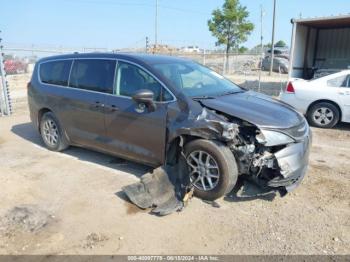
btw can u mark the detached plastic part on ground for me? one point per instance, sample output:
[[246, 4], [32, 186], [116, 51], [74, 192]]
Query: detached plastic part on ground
[[158, 191]]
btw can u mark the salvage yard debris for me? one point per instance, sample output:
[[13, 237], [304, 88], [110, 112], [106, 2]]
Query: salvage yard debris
[[157, 190]]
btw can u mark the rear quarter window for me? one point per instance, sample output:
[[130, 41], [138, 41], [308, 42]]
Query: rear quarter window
[[55, 72], [340, 81]]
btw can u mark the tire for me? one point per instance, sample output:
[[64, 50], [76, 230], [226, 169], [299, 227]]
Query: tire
[[51, 133], [323, 115], [226, 172]]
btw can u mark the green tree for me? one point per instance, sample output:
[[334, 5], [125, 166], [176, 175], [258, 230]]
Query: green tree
[[230, 25], [281, 43], [242, 49]]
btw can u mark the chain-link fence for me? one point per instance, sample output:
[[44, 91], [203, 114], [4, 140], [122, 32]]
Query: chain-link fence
[[19, 60], [5, 99]]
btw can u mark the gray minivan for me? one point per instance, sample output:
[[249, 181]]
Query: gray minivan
[[159, 110]]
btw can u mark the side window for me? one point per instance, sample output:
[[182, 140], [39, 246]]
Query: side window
[[348, 81], [340, 81], [55, 72], [131, 78], [93, 74]]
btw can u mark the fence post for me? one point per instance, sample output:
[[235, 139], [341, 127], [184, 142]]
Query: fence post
[[260, 65], [224, 65], [204, 57], [5, 96], [228, 66]]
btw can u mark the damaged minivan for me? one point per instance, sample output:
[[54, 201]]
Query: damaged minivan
[[162, 111]]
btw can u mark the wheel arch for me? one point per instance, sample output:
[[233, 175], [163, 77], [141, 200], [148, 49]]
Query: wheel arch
[[175, 146], [326, 101], [41, 112]]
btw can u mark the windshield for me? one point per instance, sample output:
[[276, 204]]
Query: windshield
[[196, 80]]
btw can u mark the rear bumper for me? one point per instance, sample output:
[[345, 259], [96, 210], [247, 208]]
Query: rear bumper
[[292, 100], [33, 111], [293, 162]]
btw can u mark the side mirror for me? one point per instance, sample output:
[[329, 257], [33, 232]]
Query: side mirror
[[145, 96]]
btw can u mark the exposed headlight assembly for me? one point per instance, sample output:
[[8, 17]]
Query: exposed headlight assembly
[[273, 138]]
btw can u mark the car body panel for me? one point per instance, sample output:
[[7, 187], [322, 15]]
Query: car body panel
[[278, 63], [293, 161], [308, 92], [82, 115], [257, 109], [136, 132]]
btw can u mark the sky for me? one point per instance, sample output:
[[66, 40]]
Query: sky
[[116, 24]]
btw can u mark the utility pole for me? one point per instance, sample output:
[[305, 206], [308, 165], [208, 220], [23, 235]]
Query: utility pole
[[156, 27], [147, 44], [273, 36], [261, 44], [261, 28]]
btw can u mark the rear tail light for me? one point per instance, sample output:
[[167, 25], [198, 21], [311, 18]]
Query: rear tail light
[[290, 88]]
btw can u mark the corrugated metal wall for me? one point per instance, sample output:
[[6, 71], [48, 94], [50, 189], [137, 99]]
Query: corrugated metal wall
[[333, 48]]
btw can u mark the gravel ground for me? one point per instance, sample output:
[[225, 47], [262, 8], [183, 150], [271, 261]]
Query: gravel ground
[[71, 203]]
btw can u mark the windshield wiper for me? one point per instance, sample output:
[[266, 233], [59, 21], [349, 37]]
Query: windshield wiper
[[231, 93], [202, 97]]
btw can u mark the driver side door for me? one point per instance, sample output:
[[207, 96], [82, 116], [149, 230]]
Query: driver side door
[[133, 130]]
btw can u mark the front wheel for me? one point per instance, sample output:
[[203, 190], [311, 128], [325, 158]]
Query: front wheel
[[212, 168], [324, 115]]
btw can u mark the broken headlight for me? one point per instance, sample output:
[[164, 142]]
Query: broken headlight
[[273, 138]]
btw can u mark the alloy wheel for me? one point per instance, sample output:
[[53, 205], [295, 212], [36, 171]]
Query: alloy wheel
[[50, 132], [323, 116], [204, 170]]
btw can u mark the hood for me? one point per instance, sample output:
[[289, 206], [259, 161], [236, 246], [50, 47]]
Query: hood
[[257, 109]]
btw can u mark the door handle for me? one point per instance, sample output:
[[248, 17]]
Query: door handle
[[99, 104], [113, 108], [344, 93]]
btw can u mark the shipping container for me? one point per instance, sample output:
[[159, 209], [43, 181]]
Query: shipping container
[[319, 46]]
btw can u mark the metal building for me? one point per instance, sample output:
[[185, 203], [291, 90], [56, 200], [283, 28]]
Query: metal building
[[319, 44]]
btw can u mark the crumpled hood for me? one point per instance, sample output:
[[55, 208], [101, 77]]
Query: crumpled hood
[[257, 109]]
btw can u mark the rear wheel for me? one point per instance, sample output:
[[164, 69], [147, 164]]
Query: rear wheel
[[324, 115], [51, 133], [212, 168]]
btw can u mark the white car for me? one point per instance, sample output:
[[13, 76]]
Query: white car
[[325, 101]]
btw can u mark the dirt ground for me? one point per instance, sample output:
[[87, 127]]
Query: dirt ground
[[71, 203]]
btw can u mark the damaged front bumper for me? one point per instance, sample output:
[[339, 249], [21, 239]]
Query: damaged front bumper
[[293, 162]]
